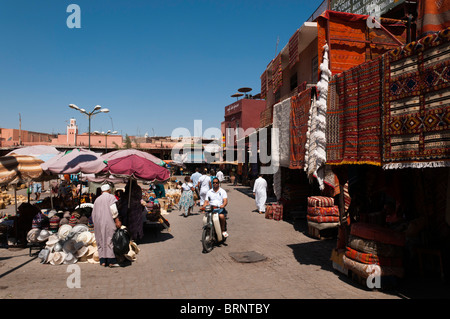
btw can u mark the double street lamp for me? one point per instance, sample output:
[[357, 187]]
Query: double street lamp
[[97, 109], [106, 137]]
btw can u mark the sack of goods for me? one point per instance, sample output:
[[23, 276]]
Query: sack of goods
[[274, 211], [373, 249], [321, 215]]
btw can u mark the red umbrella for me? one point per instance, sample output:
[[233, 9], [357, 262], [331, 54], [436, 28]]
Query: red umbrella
[[137, 167]]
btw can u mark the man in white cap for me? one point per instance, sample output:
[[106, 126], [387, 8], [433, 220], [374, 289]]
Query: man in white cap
[[105, 217]]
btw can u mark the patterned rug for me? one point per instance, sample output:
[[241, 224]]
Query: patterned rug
[[277, 73], [300, 105], [416, 113], [293, 49], [354, 116], [432, 16]]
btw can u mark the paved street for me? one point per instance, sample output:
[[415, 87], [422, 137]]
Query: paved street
[[171, 265]]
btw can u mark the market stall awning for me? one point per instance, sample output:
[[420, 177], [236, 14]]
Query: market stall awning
[[74, 162], [42, 152], [20, 169], [134, 166], [131, 151]]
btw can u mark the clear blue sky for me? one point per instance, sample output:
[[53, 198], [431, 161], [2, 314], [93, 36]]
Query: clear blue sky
[[157, 65]]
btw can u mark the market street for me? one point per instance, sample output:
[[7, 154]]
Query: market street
[[171, 264]]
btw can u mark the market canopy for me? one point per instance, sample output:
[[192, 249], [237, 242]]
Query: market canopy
[[136, 167], [42, 152], [131, 151], [20, 169], [74, 162]]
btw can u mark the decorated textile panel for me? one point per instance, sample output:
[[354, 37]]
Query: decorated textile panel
[[264, 85], [277, 72], [298, 126], [353, 131], [416, 113], [293, 49], [432, 16]]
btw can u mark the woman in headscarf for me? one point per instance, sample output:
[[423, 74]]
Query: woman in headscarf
[[187, 196], [131, 214]]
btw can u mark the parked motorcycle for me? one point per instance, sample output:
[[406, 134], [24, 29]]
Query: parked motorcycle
[[212, 232]]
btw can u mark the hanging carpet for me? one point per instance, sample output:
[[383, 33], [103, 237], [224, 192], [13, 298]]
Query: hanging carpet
[[416, 108], [298, 127], [354, 116]]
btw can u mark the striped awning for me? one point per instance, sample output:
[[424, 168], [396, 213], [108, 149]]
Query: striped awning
[[20, 168]]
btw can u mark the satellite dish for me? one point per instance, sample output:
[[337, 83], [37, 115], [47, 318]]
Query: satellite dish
[[237, 95], [244, 90]]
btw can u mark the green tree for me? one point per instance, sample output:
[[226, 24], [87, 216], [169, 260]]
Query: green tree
[[127, 141]]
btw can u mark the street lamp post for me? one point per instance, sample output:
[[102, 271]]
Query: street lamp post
[[97, 109], [106, 137]]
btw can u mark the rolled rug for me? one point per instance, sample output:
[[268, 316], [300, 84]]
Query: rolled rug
[[374, 247], [323, 211], [322, 219], [366, 258]]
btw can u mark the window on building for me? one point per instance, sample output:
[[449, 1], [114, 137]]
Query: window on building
[[293, 81], [277, 96]]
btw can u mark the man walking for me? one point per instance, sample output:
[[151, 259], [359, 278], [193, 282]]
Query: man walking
[[204, 185], [194, 180], [260, 192], [105, 217]]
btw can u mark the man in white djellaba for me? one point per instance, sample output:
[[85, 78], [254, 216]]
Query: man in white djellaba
[[260, 192]]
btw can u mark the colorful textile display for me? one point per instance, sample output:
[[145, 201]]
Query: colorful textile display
[[321, 214], [265, 117], [281, 115], [320, 201], [264, 85], [322, 219], [323, 211], [432, 17], [368, 258], [300, 105], [315, 154], [416, 113], [277, 73], [274, 211], [354, 116], [293, 49], [374, 247], [350, 36]]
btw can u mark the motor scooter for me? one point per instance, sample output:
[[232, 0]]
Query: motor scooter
[[212, 232]]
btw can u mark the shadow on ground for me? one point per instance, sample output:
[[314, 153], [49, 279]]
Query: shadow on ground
[[413, 286], [154, 234]]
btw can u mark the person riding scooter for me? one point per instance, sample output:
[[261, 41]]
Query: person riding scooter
[[217, 198]]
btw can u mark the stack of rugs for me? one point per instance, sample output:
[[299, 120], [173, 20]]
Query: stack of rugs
[[274, 211], [321, 214], [370, 245]]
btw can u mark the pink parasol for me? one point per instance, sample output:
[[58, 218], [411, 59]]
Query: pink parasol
[[77, 161], [122, 153], [137, 167]]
